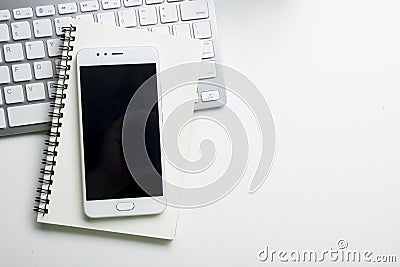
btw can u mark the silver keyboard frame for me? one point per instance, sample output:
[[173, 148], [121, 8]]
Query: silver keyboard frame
[[12, 4]]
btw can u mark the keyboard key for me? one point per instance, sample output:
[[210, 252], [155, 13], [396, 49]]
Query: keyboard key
[[88, 6], [13, 52], [35, 91], [42, 28], [35, 50], [1, 99], [127, 18], [161, 29], [150, 2], [171, 1], [21, 30], [4, 33], [194, 10], [14, 94], [202, 30], [51, 89], [208, 70], [53, 47], [60, 23], [5, 15], [2, 118], [210, 96], [28, 114], [107, 18], [129, 3], [22, 72], [208, 49], [43, 11], [56, 63], [87, 17], [182, 30], [148, 16], [43, 70], [168, 13], [111, 4], [67, 8], [23, 13], [4, 75]]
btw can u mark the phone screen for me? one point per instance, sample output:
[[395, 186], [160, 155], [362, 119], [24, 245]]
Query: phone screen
[[106, 92]]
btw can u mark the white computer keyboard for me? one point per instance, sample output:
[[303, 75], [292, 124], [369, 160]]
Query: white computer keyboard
[[29, 40]]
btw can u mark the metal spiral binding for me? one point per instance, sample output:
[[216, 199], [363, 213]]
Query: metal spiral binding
[[43, 201], [57, 105], [51, 143], [62, 76], [45, 181], [56, 115], [48, 162]]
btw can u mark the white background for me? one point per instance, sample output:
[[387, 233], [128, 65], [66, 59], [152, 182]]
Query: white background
[[330, 71]]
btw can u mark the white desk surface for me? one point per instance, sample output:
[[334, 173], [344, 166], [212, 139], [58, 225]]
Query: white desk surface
[[330, 72]]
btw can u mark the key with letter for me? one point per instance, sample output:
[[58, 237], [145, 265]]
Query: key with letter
[[43, 70], [51, 89], [53, 47], [35, 91], [22, 72], [13, 94], [13, 52], [34, 50]]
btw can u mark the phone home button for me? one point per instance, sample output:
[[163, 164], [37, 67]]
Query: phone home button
[[125, 206]]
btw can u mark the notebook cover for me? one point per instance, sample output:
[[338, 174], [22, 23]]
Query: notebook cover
[[66, 203]]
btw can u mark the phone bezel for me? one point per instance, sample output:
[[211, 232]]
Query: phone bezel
[[119, 56]]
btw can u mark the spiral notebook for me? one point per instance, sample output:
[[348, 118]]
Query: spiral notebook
[[60, 201]]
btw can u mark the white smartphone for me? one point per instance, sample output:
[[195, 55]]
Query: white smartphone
[[108, 78]]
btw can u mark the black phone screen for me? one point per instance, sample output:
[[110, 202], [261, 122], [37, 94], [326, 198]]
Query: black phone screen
[[106, 92]]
